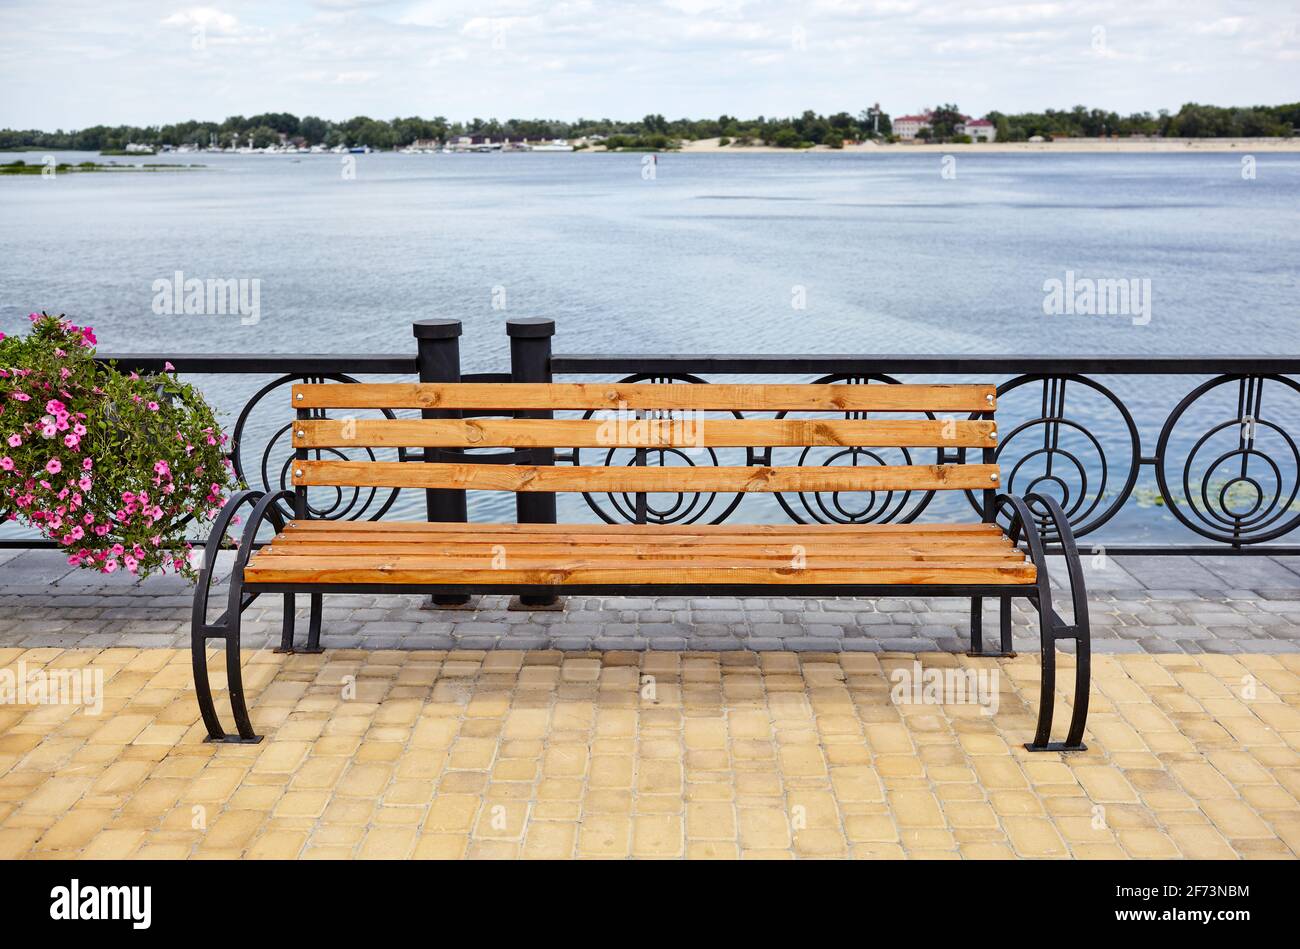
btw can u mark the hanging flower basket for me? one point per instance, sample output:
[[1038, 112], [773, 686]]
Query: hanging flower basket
[[112, 466]]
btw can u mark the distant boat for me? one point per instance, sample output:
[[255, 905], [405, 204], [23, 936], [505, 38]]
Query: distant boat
[[360, 150]]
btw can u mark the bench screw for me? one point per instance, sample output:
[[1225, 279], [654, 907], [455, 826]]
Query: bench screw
[[988, 398], [993, 477], [993, 435], [297, 472], [301, 433], [298, 396]]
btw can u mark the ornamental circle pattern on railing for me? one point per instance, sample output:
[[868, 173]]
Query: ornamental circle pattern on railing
[[852, 507], [659, 507], [272, 465], [1052, 453], [1231, 486]]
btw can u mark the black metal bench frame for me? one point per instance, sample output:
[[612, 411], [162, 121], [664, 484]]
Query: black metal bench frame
[[1025, 516]]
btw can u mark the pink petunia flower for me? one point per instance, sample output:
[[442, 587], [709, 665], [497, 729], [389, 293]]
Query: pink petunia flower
[[54, 466]]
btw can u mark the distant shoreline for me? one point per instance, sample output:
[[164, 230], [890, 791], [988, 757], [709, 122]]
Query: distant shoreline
[[1070, 145]]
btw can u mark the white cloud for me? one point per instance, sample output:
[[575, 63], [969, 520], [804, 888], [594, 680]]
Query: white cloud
[[209, 18], [564, 58]]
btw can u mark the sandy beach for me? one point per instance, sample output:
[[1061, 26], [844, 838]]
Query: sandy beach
[[1062, 145]]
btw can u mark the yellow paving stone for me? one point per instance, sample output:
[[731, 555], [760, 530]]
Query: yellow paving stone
[[452, 813], [609, 771], [712, 850], [1105, 784], [113, 845], [232, 829], [1033, 837], [74, 830], [364, 780], [1201, 843], [657, 836], [764, 828], [440, 847], [605, 836], [918, 808], [301, 804], [1235, 819]]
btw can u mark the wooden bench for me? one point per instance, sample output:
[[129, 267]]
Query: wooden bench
[[976, 560]]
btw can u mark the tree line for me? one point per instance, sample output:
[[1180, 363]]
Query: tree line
[[810, 128]]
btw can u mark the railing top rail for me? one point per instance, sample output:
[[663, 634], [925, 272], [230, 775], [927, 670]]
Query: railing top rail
[[395, 364], [933, 364], [737, 364]]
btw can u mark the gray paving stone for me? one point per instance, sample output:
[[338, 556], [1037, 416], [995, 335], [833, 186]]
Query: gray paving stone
[[1185, 605]]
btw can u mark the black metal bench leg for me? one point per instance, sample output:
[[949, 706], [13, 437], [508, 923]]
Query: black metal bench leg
[[1082, 685], [1004, 618], [977, 629], [235, 686], [313, 624], [1047, 687], [202, 686], [286, 630], [1052, 628]]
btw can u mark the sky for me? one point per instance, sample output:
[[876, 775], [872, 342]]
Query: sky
[[76, 63]]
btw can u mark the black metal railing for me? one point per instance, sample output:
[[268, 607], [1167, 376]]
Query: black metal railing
[[1211, 440], [1213, 433]]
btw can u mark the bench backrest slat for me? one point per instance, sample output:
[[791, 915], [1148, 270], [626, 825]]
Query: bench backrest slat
[[522, 396], [479, 477], [636, 433]]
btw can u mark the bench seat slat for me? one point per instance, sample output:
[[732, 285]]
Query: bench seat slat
[[611, 395], [338, 570], [595, 433], [598, 532], [396, 474], [533, 554], [552, 544], [537, 555]]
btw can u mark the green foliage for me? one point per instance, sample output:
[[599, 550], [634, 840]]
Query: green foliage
[[1191, 120], [944, 121], [110, 465], [787, 138], [640, 143]]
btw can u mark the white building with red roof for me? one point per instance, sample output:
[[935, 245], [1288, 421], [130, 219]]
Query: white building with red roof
[[981, 130], [907, 127]]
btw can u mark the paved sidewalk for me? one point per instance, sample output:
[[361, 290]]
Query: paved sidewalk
[[407, 753], [1138, 604], [657, 727]]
